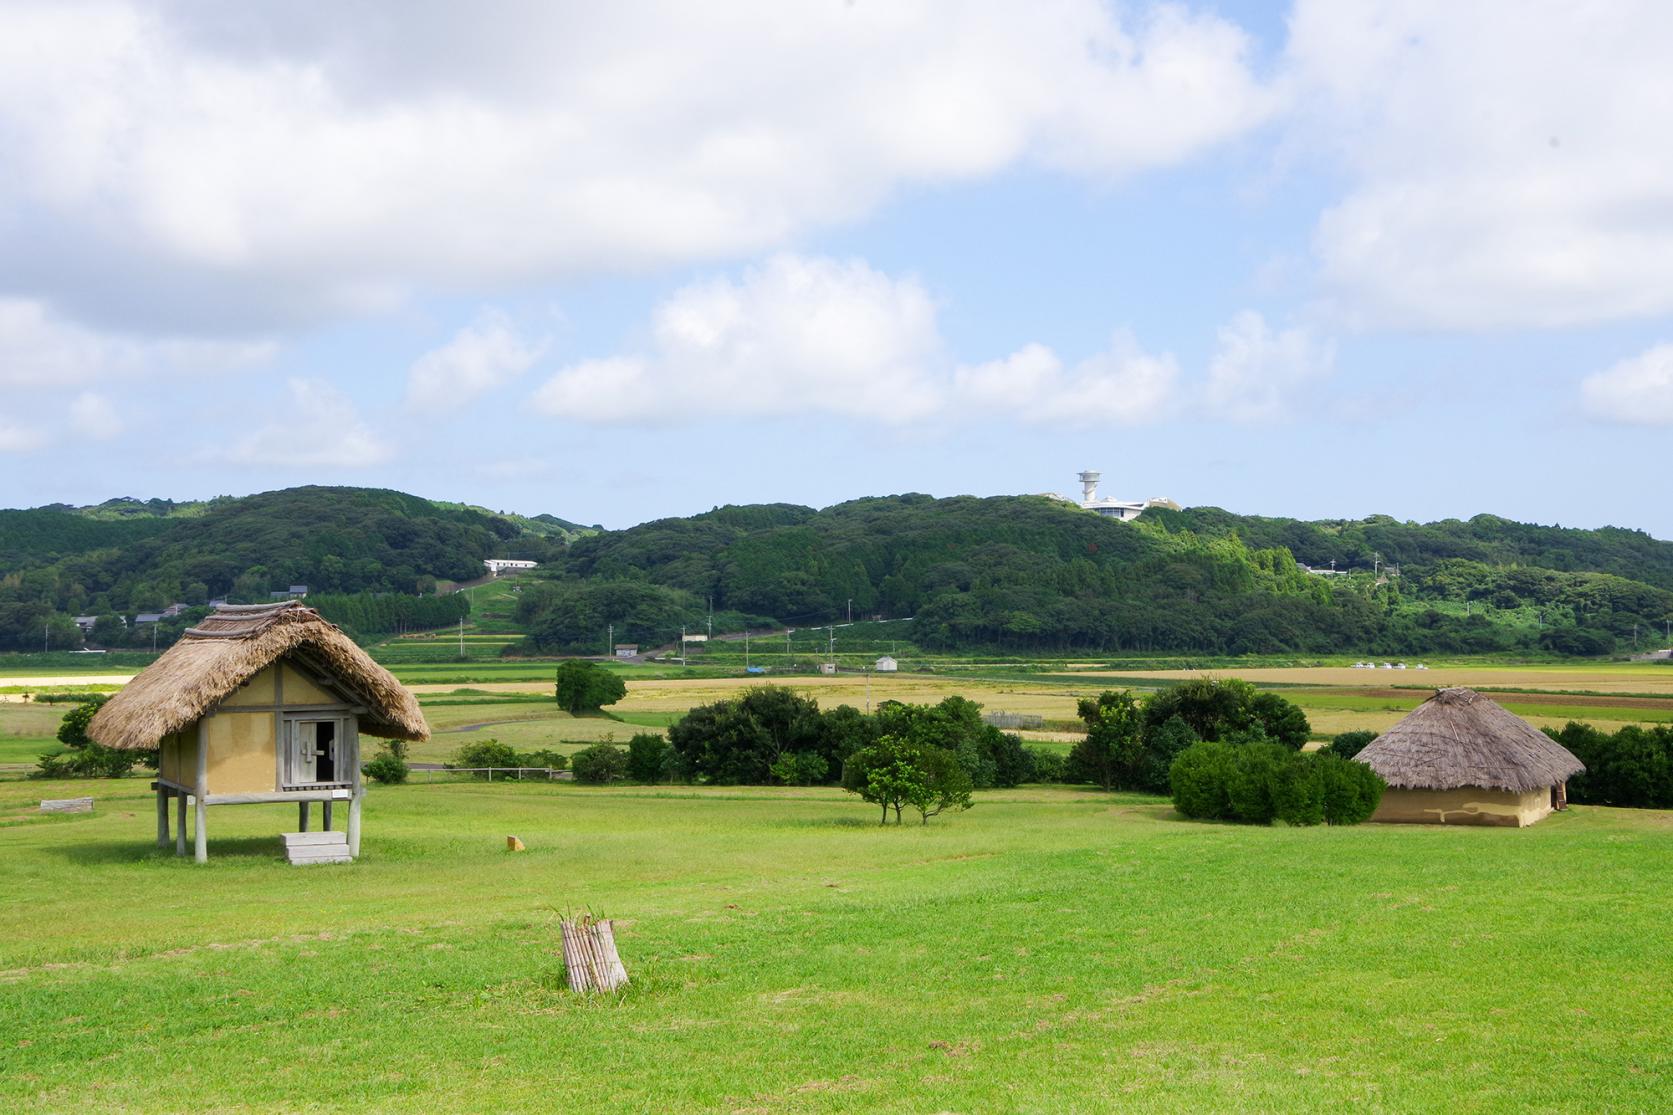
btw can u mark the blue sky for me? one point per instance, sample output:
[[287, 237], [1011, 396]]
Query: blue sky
[[1324, 260]]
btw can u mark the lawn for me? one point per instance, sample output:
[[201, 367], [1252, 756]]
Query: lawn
[[1050, 950]]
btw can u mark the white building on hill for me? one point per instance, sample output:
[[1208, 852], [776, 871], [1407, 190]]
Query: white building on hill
[[1115, 508], [496, 566]]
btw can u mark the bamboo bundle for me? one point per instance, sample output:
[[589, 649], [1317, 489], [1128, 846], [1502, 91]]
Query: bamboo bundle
[[589, 955]]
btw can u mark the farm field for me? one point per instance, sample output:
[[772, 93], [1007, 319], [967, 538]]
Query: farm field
[[466, 701], [1051, 949]]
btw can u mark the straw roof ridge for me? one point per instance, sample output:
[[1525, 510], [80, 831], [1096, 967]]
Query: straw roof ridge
[[232, 645], [1459, 738]]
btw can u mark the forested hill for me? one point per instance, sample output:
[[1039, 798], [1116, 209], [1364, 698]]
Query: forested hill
[[1033, 573], [1025, 573], [128, 556]]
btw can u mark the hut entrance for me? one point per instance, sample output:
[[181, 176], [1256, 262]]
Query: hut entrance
[[315, 753]]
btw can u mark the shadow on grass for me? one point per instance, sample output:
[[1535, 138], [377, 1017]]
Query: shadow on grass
[[246, 848]]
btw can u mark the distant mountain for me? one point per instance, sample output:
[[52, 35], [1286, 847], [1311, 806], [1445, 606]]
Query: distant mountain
[[1038, 574], [126, 556], [1021, 573]]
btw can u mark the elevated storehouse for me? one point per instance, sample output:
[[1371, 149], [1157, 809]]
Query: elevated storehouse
[[1460, 758], [259, 703]]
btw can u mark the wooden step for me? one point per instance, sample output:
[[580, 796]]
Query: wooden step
[[305, 848], [309, 839]]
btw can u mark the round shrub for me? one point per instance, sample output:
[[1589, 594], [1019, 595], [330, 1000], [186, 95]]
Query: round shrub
[[386, 767], [599, 764], [485, 753], [1349, 744], [1199, 778], [1351, 790], [1044, 765], [1251, 788], [1298, 790]]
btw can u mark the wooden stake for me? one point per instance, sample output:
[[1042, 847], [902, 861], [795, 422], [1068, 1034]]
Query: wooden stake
[[589, 956]]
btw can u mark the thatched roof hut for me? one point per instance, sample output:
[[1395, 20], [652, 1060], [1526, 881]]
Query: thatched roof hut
[[231, 646], [261, 703], [1460, 757]]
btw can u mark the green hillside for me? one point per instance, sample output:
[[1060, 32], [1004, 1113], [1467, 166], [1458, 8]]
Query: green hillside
[[1009, 575], [1033, 574]]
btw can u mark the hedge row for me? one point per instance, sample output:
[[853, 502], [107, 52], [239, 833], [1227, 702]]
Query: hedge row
[[1258, 783]]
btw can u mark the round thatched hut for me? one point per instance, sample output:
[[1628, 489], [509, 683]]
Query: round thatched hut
[[261, 703], [1460, 758]]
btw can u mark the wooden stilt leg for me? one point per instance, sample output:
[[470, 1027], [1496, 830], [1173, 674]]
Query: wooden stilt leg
[[179, 823], [162, 816], [301, 816], [201, 833], [354, 825], [325, 825]]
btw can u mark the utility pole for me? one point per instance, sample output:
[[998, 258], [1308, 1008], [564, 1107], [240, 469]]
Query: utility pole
[[610, 645], [832, 631], [711, 617], [868, 692], [850, 609], [682, 644], [461, 637]]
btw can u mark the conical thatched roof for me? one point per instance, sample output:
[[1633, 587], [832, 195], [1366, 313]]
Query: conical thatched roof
[[234, 644], [1459, 738]]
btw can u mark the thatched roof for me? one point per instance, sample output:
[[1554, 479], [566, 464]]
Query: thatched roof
[[1459, 738], [230, 647]]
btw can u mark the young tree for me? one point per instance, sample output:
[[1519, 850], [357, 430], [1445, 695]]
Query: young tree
[[943, 784], [599, 764], [587, 687], [884, 773], [1112, 754]]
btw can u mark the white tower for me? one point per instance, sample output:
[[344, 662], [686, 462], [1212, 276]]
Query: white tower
[[1089, 486]]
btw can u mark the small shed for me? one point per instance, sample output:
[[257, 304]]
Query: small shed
[[259, 703], [887, 665], [627, 650], [1460, 758]]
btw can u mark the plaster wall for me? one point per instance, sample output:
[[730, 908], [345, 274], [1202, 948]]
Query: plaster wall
[[1467, 806], [243, 755]]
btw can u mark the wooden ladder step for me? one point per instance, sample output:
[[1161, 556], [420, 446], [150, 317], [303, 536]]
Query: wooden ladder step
[[310, 839]]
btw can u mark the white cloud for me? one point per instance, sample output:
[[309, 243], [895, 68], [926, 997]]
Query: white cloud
[[320, 428], [1257, 374], [262, 164], [487, 353], [1122, 386], [795, 335], [1638, 390], [41, 349], [813, 336], [1507, 160], [93, 415], [20, 439]]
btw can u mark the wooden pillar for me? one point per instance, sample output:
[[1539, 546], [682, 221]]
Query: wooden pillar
[[162, 815], [325, 824], [301, 816], [356, 793], [179, 823], [200, 832]]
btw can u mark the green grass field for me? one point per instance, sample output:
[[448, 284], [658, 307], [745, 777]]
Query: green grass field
[[1050, 950]]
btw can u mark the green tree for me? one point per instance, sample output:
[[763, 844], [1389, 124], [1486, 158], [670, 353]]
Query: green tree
[[650, 759], [1346, 745], [599, 764], [943, 784], [1112, 754], [587, 687], [72, 729]]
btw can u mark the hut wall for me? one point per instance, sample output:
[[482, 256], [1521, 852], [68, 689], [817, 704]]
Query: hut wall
[[301, 691], [258, 690], [243, 754], [178, 757], [1468, 806]]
